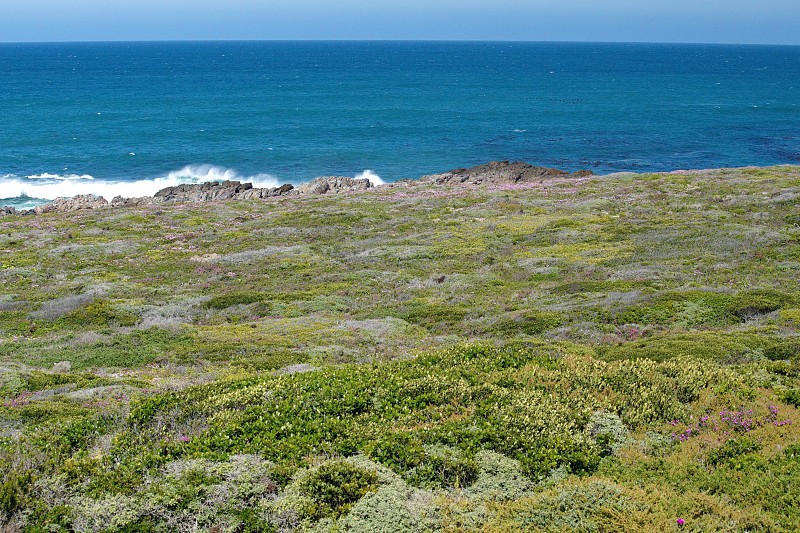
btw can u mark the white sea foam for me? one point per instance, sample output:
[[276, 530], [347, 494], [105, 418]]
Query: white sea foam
[[50, 186], [371, 176], [59, 177]]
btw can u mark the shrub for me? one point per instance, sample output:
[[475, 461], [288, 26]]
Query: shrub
[[608, 431], [399, 451], [528, 322], [681, 309], [751, 304], [573, 508], [692, 309], [443, 467], [499, 478], [792, 397], [733, 449], [719, 347], [431, 315], [100, 313], [384, 511], [229, 300], [334, 487]]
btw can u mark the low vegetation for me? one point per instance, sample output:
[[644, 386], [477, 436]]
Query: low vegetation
[[615, 353]]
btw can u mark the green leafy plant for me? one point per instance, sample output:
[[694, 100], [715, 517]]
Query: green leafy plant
[[334, 487]]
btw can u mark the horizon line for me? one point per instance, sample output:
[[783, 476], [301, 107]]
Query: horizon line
[[515, 41]]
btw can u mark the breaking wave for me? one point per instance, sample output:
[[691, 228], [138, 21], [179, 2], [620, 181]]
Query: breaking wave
[[30, 191], [38, 188]]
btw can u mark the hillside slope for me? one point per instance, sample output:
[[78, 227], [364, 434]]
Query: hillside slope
[[590, 353]]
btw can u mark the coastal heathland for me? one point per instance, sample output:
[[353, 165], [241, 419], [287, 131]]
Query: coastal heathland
[[583, 353]]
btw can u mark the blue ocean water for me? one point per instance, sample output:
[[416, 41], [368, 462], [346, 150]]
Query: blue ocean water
[[129, 118]]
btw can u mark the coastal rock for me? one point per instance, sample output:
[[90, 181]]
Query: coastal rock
[[283, 190], [119, 201], [76, 203], [335, 184], [202, 192], [497, 172], [500, 172]]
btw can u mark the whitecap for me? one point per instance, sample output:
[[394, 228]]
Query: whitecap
[[59, 177]]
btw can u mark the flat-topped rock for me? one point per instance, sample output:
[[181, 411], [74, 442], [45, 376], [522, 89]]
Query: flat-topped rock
[[334, 184], [76, 203], [267, 192], [499, 172], [201, 192]]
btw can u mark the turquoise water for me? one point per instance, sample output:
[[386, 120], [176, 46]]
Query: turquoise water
[[130, 118]]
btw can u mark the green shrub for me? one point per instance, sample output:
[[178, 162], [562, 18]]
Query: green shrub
[[694, 309], [783, 349], [11, 495], [792, 452], [99, 313], [79, 434], [792, 397], [334, 487], [384, 511], [689, 309], [732, 449], [229, 300], [431, 315], [719, 347], [443, 467], [751, 304], [528, 322], [399, 451]]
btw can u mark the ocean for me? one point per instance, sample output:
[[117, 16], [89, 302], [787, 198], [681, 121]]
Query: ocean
[[131, 118]]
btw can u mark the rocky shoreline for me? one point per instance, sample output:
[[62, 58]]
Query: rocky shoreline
[[494, 173]]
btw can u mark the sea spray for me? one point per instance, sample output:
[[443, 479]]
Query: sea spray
[[371, 176]]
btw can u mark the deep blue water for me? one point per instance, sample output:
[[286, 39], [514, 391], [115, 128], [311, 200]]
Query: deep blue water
[[275, 112]]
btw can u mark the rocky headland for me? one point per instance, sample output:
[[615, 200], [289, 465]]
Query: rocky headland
[[493, 173]]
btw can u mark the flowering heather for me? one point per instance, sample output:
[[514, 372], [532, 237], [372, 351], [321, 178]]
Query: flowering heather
[[23, 398], [727, 422]]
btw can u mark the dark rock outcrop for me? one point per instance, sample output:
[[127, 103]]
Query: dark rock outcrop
[[202, 192], [335, 184], [283, 190], [499, 172], [226, 190]]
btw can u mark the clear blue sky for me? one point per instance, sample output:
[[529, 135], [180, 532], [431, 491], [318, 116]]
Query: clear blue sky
[[725, 21]]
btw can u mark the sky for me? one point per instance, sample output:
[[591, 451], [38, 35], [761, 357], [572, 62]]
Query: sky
[[695, 21]]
